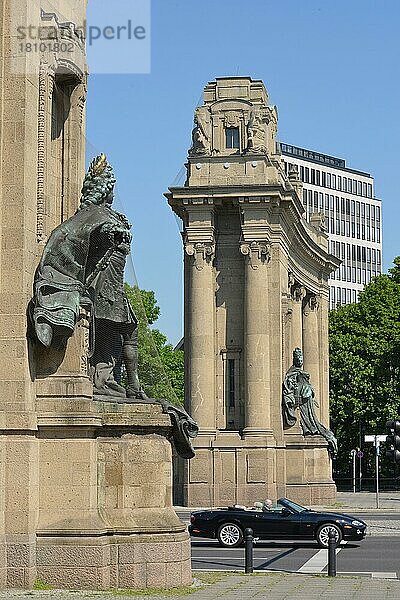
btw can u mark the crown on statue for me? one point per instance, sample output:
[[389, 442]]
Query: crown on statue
[[98, 165]]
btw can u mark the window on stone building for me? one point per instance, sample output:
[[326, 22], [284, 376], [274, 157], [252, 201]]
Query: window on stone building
[[232, 137], [231, 382], [232, 405]]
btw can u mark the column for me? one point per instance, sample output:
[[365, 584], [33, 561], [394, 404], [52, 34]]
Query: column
[[298, 293], [201, 334], [323, 400], [311, 350], [256, 338]]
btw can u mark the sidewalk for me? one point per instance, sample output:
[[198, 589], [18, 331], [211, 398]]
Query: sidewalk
[[270, 586], [367, 500], [389, 501]]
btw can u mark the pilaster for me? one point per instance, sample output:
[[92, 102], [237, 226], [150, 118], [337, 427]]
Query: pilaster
[[311, 346], [298, 295]]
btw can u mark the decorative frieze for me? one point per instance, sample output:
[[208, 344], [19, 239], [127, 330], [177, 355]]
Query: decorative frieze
[[46, 84]]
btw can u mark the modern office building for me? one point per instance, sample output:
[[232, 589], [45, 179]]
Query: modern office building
[[353, 217]]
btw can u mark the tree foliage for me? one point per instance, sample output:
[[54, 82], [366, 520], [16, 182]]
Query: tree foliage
[[364, 343], [160, 367]]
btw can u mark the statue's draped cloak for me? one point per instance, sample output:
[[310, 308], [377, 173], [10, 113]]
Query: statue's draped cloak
[[71, 259]]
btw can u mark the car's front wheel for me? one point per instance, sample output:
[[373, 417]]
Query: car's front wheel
[[323, 534], [230, 535]]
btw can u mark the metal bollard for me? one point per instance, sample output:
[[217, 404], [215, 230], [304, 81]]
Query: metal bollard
[[248, 550], [332, 554]]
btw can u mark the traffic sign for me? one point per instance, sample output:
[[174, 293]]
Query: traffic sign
[[375, 438]]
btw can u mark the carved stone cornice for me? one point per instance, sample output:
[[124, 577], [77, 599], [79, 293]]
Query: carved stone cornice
[[203, 253], [258, 252]]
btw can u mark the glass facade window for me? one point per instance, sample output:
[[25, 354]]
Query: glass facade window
[[364, 190]]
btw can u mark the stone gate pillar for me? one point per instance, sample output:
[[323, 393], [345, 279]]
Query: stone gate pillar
[[256, 343]]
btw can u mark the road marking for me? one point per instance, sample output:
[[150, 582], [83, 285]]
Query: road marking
[[383, 575], [234, 558], [318, 562]]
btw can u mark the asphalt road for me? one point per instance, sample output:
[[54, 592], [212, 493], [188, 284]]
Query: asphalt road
[[373, 557]]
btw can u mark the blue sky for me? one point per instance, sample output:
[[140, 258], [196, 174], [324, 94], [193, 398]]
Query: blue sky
[[331, 67]]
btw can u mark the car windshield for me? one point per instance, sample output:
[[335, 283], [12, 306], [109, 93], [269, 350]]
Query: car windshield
[[292, 505]]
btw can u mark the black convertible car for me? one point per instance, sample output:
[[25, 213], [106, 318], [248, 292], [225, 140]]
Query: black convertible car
[[286, 520]]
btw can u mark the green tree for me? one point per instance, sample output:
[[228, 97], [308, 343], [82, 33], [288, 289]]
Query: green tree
[[364, 341], [160, 368]]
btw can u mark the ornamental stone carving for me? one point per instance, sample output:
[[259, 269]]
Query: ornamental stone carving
[[291, 280], [201, 133], [203, 253], [259, 252], [293, 174], [256, 133], [318, 220], [298, 292], [312, 303]]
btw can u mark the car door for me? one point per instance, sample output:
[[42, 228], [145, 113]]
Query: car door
[[279, 523]]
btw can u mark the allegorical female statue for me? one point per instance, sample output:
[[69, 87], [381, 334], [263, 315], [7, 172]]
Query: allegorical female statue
[[298, 393]]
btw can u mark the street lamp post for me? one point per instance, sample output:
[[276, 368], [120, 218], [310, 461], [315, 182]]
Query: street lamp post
[[353, 456]]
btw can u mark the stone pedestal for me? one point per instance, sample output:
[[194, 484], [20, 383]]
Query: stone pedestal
[[87, 502], [105, 514]]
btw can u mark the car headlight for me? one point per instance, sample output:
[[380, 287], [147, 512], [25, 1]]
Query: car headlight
[[357, 524]]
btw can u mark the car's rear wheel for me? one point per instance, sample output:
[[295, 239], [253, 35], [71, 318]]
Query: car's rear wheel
[[230, 535], [323, 534]]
